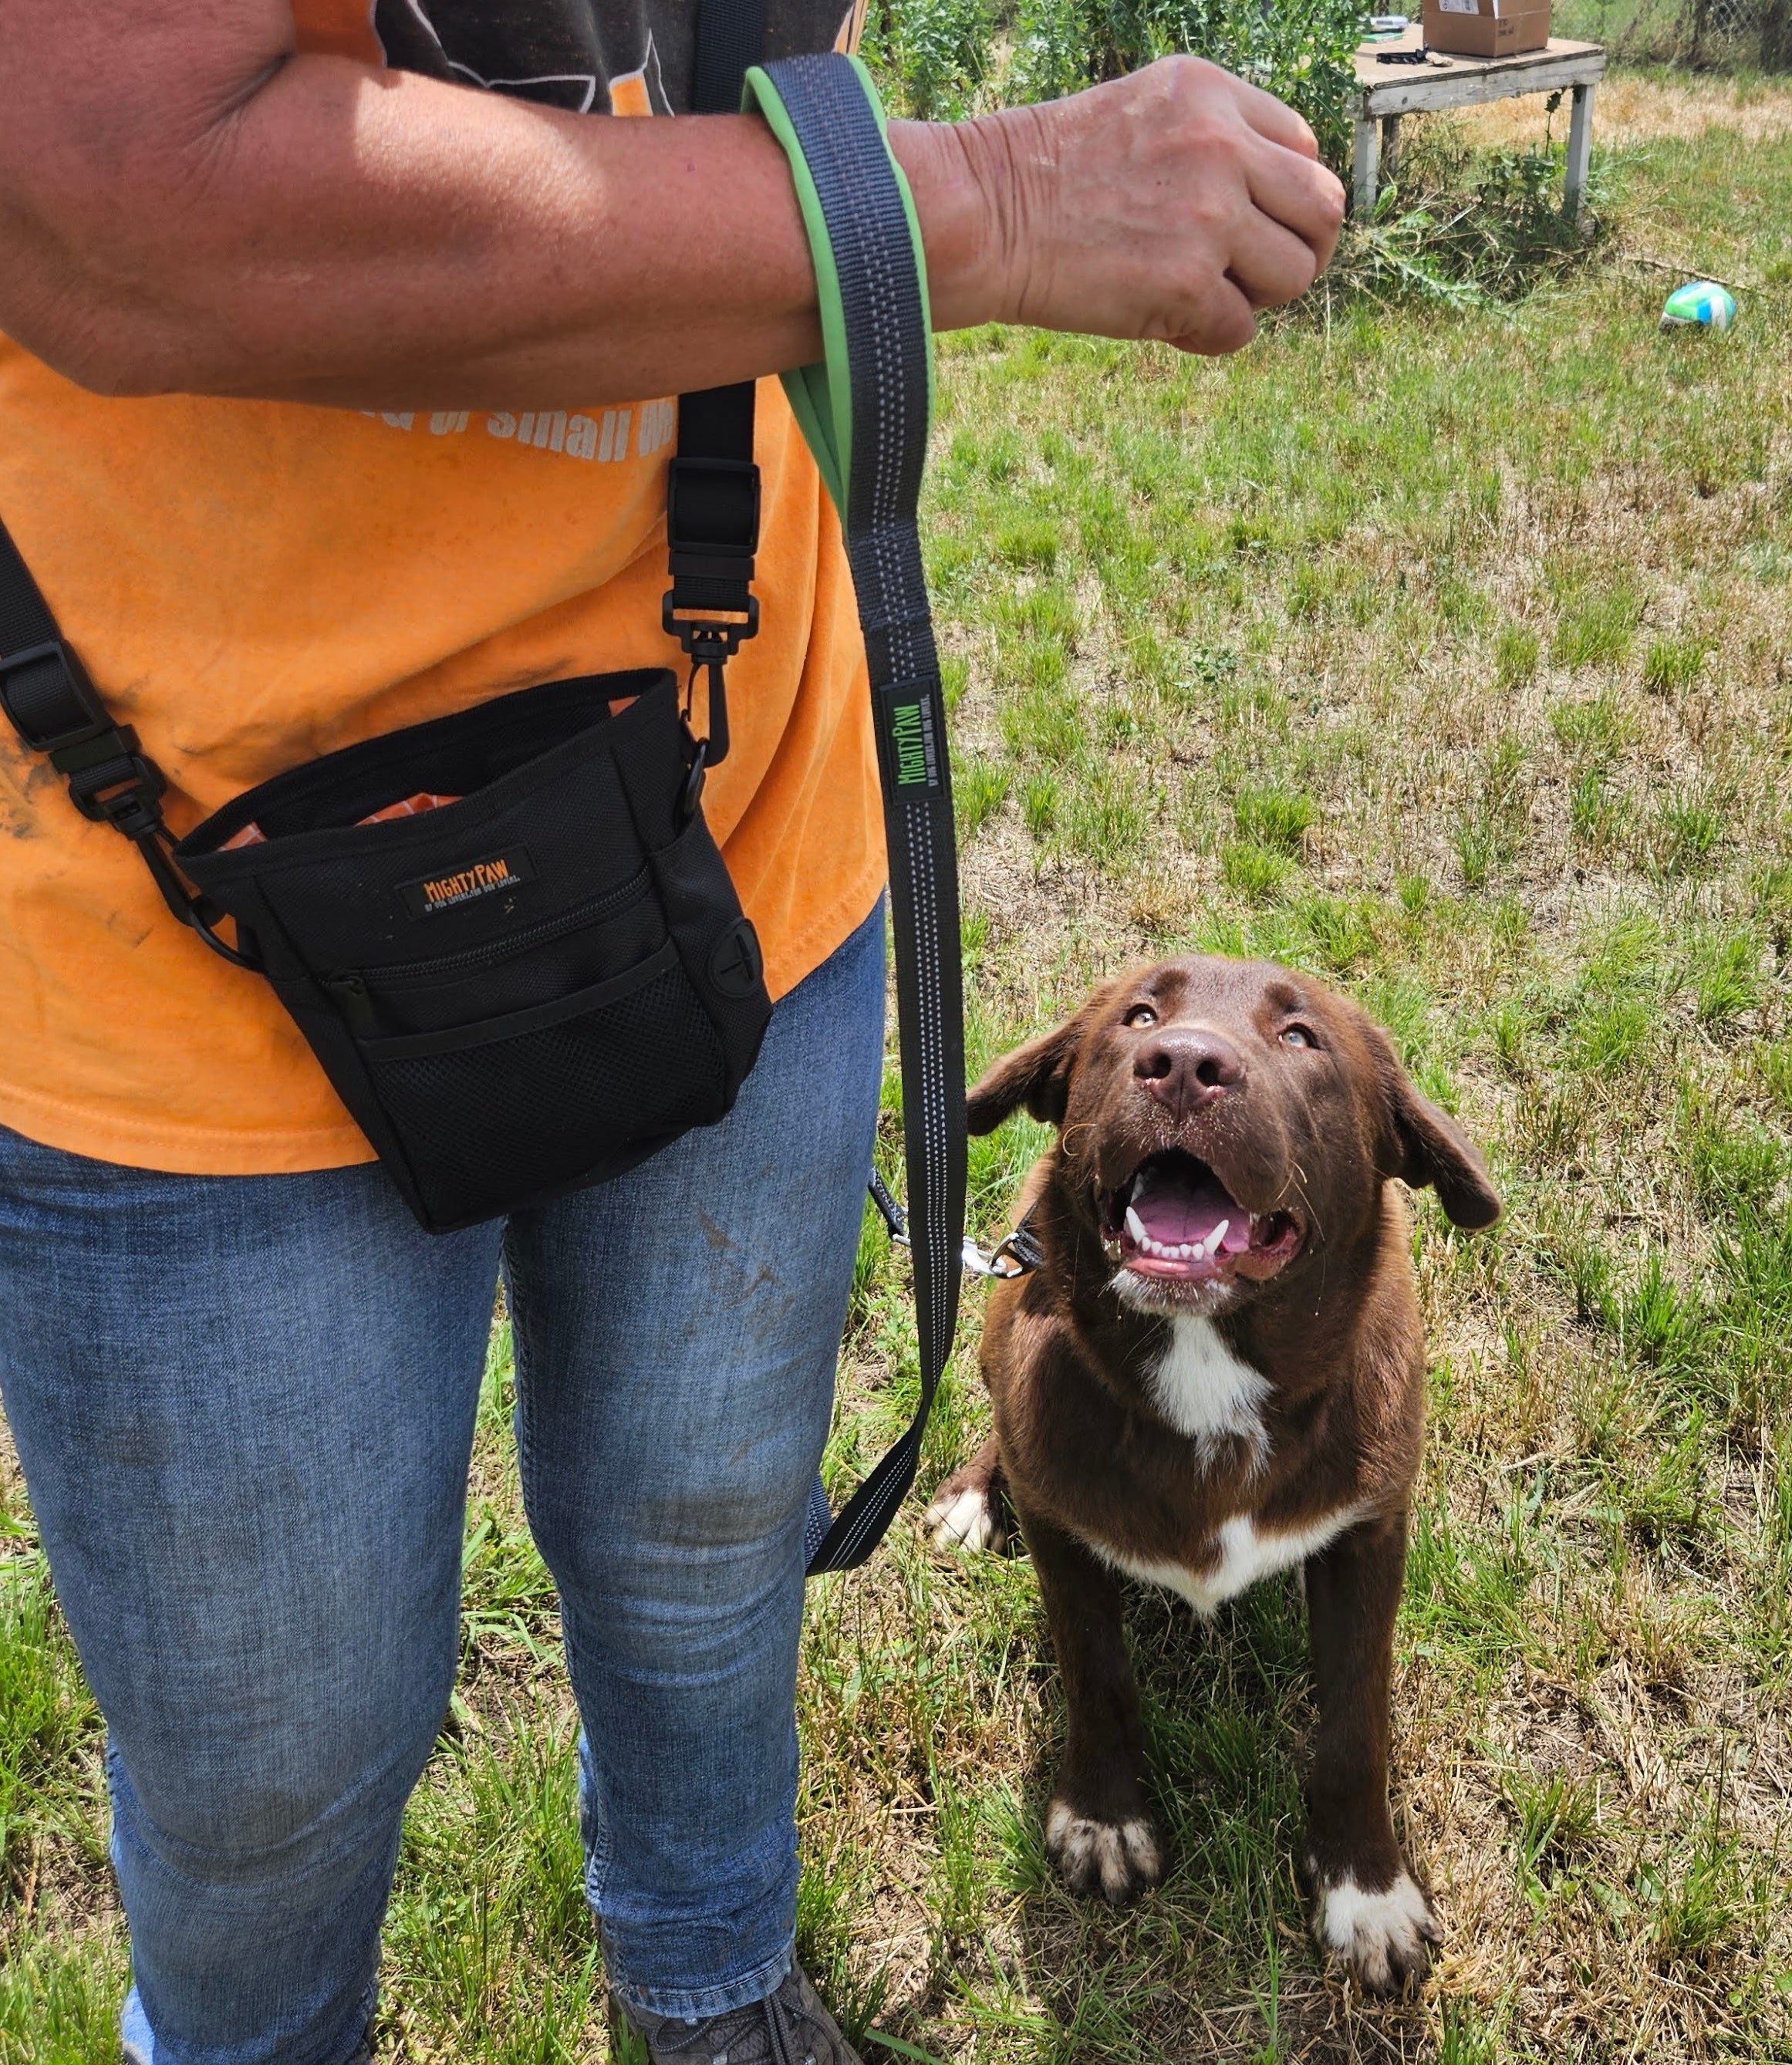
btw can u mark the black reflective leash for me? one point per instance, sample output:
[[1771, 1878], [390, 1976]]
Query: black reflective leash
[[712, 534], [885, 347]]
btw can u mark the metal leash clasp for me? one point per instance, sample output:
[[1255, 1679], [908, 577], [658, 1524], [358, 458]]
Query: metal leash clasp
[[1019, 1254]]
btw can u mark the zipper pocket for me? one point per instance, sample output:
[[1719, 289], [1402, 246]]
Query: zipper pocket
[[355, 1005], [447, 966], [354, 990]]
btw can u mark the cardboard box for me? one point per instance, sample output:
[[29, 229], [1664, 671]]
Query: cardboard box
[[1486, 28]]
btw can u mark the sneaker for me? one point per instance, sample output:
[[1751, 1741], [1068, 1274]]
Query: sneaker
[[788, 2027]]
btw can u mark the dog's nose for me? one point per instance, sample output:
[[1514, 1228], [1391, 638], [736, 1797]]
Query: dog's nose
[[1187, 1066]]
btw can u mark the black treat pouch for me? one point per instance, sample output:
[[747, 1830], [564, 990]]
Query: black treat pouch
[[520, 992]]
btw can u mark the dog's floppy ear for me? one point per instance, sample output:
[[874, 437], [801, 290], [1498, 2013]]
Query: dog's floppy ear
[[1422, 1145], [1037, 1075]]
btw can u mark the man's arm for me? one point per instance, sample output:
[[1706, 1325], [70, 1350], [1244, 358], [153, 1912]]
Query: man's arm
[[188, 204]]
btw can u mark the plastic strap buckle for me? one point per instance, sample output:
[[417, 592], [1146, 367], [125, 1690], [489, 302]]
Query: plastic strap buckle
[[47, 697], [712, 526], [712, 508], [55, 710], [712, 532], [111, 782], [697, 635]]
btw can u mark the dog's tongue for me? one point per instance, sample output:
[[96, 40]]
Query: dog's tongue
[[1176, 1207]]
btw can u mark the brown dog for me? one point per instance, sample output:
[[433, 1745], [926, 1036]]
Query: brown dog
[[1218, 1372]]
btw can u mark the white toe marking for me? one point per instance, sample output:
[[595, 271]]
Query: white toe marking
[[964, 1522], [1377, 1934], [1122, 1852]]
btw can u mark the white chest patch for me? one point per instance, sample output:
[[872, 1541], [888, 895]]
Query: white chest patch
[[1203, 1390], [1245, 1555], [1215, 1398]]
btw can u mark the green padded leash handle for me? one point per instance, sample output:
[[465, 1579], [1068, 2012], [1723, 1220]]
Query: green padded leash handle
[[865, 414], [822, 396]]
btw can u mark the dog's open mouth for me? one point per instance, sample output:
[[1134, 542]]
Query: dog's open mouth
[[1174, 1218]]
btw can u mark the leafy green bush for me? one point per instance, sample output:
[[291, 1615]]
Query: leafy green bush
[[1459, 227], [945, 57], [1300, 51], [933, 58]]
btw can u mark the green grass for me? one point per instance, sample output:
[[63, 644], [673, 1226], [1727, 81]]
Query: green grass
[[1441, 653]]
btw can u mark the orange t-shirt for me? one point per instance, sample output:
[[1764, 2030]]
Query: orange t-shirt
[[253, 583]]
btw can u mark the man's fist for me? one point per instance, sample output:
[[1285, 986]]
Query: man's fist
[[1172, 204]]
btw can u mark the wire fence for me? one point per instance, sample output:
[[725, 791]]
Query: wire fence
[[1728, 35]]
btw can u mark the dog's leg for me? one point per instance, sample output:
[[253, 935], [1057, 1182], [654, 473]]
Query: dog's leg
[[969, 1510], [1370, 1914], [1099, 1830]]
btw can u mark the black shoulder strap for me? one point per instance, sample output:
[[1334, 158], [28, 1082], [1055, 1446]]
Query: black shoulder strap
[[887, 352], [46, 697], [731, 36], [712, 495]]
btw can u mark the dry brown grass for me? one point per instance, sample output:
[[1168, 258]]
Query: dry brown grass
[[1632, 109]]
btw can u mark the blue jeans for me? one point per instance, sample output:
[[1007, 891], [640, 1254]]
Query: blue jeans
[[245, 1406]]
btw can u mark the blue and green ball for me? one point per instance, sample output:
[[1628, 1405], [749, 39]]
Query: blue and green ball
[[1701, 304]]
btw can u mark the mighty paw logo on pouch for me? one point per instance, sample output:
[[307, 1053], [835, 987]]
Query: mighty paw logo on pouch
[[456, 886]]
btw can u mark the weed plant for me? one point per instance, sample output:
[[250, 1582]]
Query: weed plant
[[1467, 227]]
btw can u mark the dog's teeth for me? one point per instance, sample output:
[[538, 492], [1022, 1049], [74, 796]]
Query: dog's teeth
[[1217, 1235], [1196, 1253], [1136, 1226]]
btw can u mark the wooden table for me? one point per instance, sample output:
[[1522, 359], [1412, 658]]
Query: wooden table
[[1385, 92]]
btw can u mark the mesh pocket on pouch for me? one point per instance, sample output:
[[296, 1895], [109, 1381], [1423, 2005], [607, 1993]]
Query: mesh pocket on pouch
[[484, 1124]]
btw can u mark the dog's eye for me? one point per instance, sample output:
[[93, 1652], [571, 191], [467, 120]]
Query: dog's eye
[[1297, 1036], [1142, 1014]]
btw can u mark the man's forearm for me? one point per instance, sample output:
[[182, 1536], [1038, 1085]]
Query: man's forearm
[[384, 240], [187, 205]]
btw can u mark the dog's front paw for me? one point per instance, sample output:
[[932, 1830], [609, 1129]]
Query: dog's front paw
[[1118, 1860], [966, 1514], [1384, 1939]]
